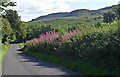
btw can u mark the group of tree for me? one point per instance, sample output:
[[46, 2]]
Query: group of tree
[[108, 17], [13, 28], [111, 15]]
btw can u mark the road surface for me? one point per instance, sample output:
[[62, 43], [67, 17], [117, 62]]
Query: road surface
[[17, 62]]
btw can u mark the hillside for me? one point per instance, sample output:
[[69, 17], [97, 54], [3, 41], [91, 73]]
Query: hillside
[[83, 44], [76, 13], [83, 41]]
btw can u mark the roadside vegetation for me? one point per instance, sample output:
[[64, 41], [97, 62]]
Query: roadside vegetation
[[87, 44], [97, 48], [88, 49], [3, 52], [11, 27]]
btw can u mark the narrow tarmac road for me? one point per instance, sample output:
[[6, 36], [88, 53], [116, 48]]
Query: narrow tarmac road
[[18, 63]]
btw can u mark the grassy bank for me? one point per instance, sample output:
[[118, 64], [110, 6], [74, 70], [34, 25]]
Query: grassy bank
[[3, 52]]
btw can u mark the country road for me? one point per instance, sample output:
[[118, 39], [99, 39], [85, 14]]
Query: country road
[[17, 62]]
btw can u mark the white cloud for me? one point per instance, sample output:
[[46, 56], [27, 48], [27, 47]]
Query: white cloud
[[29, 9]]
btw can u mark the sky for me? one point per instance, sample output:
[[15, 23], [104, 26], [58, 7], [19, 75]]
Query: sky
[[31, 9]]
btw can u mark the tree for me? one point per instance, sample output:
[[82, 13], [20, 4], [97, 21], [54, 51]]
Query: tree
[[22, 32], [6, 3], [118, 16], [12, 17], [17, 25], [108, 17], [6, 29], [98, 24], [118, 12]]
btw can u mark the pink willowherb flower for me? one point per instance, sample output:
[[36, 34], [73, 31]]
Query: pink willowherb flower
[[66, 37], [51, 38], [48, 37]]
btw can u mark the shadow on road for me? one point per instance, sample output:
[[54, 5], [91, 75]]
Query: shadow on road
[[13, 43], [41, 63]]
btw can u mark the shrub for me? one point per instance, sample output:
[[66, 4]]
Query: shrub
[[97, 48]]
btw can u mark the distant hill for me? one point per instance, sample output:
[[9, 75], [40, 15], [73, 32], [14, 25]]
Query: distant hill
[[76, 13]]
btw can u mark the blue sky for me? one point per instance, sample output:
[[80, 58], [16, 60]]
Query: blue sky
[[30, 9], [90, 5]]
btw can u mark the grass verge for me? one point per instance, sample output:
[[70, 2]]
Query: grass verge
[[84, 68], [3, 52]]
